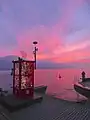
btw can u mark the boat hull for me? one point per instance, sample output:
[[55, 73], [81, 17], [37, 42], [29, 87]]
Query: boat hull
[[82, 90], [86, 80], [40, 89]]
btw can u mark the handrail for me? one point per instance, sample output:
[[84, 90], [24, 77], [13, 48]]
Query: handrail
[[4, 115], [83, 86]]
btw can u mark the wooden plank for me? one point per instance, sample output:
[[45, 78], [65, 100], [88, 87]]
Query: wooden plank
[[54, 109]]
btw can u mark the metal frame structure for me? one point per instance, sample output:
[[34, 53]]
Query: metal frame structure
[[23, 78]]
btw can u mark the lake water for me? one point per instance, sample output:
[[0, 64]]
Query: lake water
[[59, 87]]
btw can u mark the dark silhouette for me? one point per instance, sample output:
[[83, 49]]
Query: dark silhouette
[[34, 52], [23, 69], [59, 76], [83, 76], [11, 71]]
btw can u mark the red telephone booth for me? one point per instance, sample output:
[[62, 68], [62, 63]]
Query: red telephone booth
[[23, 78]]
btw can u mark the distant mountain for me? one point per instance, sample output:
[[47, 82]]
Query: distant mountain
[[52, 65], [9, 58], [82, 63], [6, 63], [87, 60]]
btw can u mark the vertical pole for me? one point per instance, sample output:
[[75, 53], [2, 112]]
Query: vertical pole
[[13, 73], [35, 49], [35, 57], [20, 75], [19, 62]]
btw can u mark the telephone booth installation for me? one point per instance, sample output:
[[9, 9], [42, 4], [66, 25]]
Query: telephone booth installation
[[23, 78]]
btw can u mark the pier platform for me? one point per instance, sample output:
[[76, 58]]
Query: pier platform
[[13, 103], [52, 108]]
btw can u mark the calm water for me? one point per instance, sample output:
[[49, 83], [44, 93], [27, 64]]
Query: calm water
[[61, 88]]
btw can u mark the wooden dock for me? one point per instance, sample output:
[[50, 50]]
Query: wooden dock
[[53, 109], [13, 103]]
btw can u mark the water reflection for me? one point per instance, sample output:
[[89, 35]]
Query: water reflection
[[59, 87]]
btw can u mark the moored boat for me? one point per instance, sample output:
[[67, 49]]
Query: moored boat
[[40, 89], [82, 89], [86, 80]]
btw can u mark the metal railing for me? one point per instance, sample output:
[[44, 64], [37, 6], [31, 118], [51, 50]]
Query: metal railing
[[4, 116]]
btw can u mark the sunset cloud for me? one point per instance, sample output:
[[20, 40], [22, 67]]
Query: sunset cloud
[[61, 28], [72, 47]]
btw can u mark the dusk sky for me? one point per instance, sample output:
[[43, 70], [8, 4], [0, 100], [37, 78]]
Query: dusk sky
[[61, 27]]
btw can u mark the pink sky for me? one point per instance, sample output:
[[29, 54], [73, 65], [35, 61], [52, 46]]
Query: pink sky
[[61, 29]]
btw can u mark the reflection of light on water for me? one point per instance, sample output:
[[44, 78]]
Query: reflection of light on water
[[76, 79], [69, 95], [61, 88]]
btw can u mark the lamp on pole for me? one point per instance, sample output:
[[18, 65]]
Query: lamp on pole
[[35, 50]]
